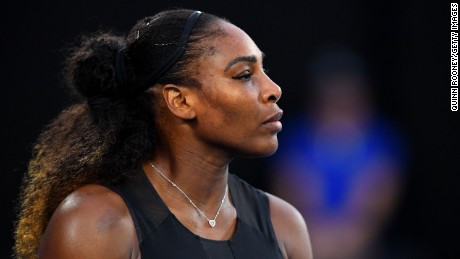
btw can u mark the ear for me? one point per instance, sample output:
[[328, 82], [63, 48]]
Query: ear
[[180, 101]]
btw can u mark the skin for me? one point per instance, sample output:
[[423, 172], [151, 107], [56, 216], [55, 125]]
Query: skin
[[201, 130]]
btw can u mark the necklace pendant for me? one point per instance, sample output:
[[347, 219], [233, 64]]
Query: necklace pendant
[[212, 223]]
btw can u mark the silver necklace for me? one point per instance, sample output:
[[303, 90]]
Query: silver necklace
[[212, 222]]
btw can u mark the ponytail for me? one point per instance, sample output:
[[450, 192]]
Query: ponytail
[[95, 141]]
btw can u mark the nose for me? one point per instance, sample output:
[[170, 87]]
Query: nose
[[271, 91]]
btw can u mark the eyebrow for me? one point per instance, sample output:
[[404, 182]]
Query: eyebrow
[[252, 59]]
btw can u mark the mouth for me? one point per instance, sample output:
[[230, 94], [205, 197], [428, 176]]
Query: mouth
[[273, 122], [275, 117]]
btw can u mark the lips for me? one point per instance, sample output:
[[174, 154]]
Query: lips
[[275, 117], [273, 123]]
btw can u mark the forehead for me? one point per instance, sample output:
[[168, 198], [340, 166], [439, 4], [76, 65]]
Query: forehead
[[234, 42]]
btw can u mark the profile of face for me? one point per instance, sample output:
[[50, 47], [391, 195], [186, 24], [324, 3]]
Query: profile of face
[[236, 105]]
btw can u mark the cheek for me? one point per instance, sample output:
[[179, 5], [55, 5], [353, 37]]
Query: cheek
[[234, 108], [234, 121]]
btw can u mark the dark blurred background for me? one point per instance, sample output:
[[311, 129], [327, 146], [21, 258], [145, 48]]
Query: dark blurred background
[[404, 45]]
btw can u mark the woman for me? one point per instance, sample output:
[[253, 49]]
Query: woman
[[139, 168]]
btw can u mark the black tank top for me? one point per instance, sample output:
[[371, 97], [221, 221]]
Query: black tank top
[[161, 235]]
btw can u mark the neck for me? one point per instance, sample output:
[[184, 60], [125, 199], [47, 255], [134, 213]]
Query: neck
[[202, 178]]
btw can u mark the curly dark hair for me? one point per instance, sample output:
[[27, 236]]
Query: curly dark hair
[[108, 142]]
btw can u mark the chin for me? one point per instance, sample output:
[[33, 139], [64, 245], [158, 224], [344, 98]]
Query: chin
[[263, 151], [271, 152]]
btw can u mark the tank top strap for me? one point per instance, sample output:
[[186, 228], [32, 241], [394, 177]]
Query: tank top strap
[[147, 212], [252, 206]]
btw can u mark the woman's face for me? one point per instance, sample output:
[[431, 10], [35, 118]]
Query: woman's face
[[237, 110]]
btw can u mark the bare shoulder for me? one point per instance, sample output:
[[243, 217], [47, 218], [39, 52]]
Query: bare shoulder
[[290, 229], [92, 222]]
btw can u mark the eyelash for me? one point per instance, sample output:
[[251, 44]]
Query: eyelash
[[246, 75]]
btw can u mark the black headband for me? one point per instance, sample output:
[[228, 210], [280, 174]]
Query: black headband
[[177, 53], [120, 71]]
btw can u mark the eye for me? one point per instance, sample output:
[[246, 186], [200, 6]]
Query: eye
[[245, 76]]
